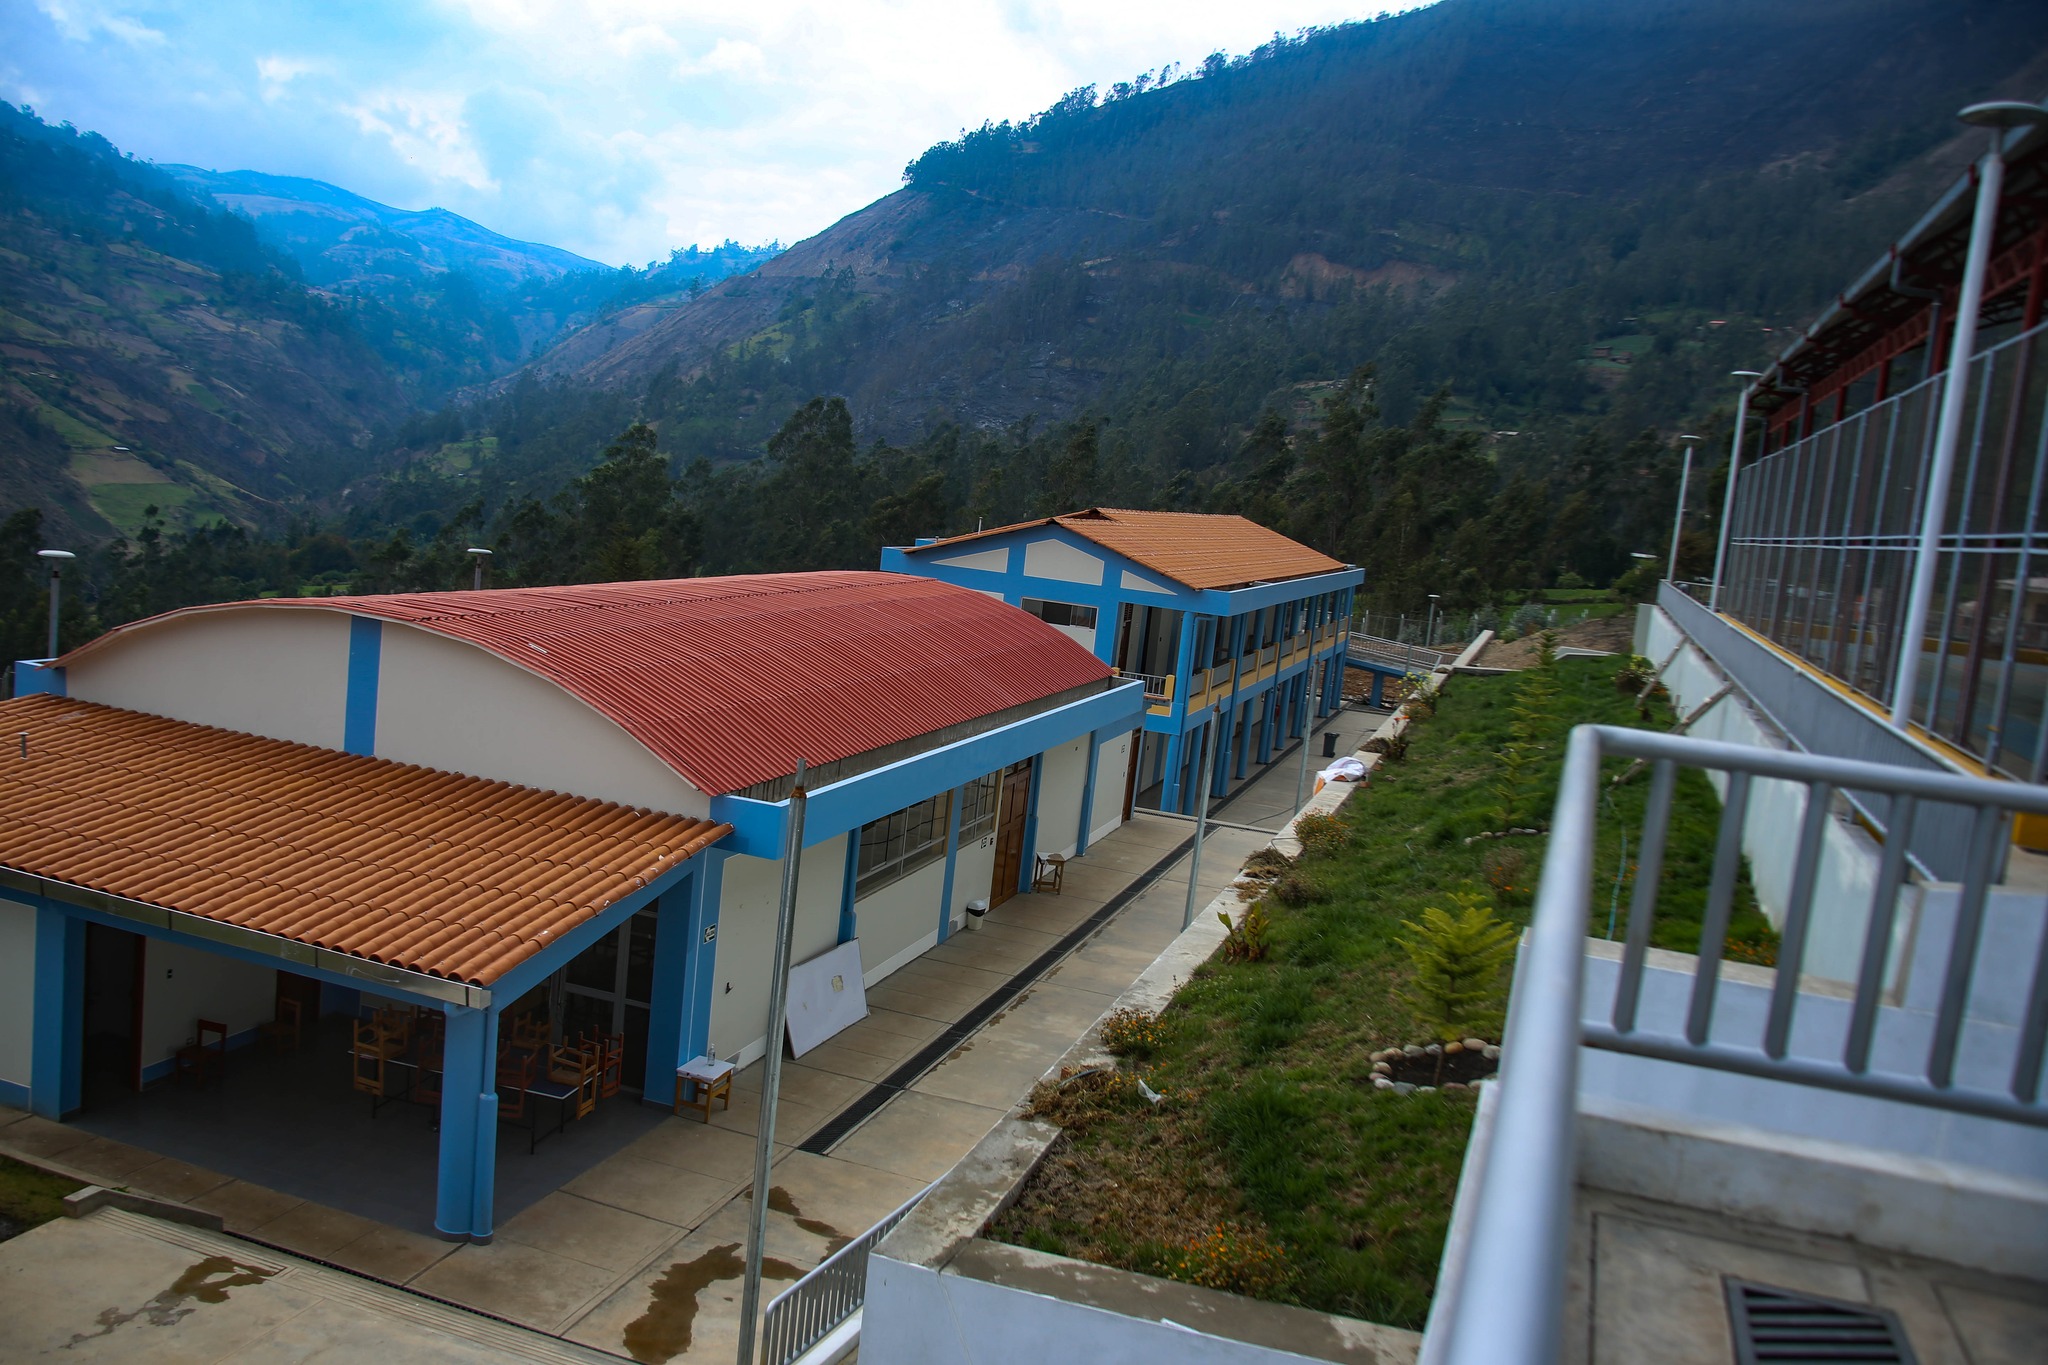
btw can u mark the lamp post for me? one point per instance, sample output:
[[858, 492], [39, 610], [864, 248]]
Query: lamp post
[[1678, 518], [478, 556], [1728, 496], [1997, 117], [1429, 635], [56, 560]]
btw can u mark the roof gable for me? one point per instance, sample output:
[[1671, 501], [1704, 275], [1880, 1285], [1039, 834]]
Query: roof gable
[[1197, 550]]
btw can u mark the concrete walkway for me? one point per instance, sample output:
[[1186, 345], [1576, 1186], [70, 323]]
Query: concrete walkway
[[1267, 800], [640, 1255]]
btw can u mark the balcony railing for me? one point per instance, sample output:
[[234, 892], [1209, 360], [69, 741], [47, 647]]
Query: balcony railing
[[1825, 536], [1522, 1191], [808, 1311]]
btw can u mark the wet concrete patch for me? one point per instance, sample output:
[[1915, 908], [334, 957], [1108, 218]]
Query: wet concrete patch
[[206, 1280], [663, 1331], [780, 1201]]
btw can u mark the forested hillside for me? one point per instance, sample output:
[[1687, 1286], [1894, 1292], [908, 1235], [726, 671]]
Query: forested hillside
[[1434, 293]]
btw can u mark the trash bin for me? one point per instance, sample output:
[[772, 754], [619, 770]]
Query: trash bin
[[1329, 744], [975, 910]]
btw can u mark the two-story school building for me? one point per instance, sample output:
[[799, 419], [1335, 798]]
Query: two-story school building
[[1223, 619], [480, 803]]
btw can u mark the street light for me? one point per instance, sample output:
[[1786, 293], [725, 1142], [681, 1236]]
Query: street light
[[1678, 519], [1429, 635], [1728, 497], [1997, 116], [55, 559], [478, 555]]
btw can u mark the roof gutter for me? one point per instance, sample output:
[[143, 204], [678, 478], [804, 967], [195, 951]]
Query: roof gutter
[[289, 951]]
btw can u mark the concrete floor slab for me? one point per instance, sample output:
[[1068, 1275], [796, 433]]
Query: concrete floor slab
[[848, 1198], [689, 1145], [519, 1283], [652, 1189], [168, 1178], [36, 1136], [113, 1287], [890, 1047], [314, 1230], [992, 1070], [908, 1025], [918, 1135], [391, 1254], [246, 1207], [593, 1233]]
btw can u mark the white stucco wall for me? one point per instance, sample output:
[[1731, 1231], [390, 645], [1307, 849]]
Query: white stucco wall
[[1060, 783], [17, 990], [973, 870], [263, 671], [746, 938], [1056, 560], [1112, 772], [1770, 832], [898, 918], [182, 985], [445, 704]]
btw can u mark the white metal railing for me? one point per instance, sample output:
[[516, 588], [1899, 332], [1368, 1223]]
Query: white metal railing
[[1158, 687], [1521, 1200], [1394, 654], [807, 1312]]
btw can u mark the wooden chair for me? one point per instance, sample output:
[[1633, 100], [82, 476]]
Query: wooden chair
[[530, 1031], [426, 1084], [577, 1066], [611, 1064], [287, 1031], [200, 1060], [515, 1078]]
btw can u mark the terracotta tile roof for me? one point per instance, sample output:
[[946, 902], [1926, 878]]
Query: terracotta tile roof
[[731, 680], [453, 876], [1197, 549]]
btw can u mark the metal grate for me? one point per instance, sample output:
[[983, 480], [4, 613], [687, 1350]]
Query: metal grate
[[1780, 1327]]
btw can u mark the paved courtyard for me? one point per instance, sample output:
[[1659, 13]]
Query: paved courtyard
[[638, 1253]]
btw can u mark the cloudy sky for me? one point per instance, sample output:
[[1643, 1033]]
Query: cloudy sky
[[615, 128]]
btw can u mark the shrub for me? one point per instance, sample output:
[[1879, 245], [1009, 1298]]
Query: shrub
[[1393, 746], [1636, 674], [1130, 1032], [1460, 968], [1296, 890], [1503, 869], [1570, 582], [1245, 940], [1421, 695], [1237, 1260], [1321, 834], [1529, 616]]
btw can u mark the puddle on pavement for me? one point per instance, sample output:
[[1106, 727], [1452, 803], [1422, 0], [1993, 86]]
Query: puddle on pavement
[[663, 1332], [780, 1201], [207, 1280]]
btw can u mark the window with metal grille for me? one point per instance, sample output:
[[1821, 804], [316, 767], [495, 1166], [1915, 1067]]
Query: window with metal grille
[[897, 845], [978, 809], [1061, 613]]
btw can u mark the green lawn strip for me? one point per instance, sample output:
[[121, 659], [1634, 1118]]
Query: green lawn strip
[[1272, 1166], [29, 1197]]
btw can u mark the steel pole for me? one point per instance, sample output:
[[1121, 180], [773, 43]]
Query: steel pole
[[1948, 435], [56, 588], [1187, 915], [1678, 519], [1728, 500], [771, 1076], [1308, 730], [478, 581]]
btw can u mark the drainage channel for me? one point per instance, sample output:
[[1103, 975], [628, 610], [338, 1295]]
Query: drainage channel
[[931, 1054]]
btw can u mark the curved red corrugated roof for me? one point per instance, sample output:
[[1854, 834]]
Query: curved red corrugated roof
[[731, 680]]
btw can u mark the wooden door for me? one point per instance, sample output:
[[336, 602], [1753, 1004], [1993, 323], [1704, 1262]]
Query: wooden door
[[1012, 810]]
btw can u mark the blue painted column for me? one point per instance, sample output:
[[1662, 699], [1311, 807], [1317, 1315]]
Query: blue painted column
[[1184, 664], [701, 972], [484, 1154], [1088, 796], [1172, 793], [666, 1026], [1027, 866], [849, 923], [468, 1069], [365, 656], [958, 803], [58, 1040]]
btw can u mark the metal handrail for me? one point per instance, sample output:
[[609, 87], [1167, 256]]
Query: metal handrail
[[1521, 1200], [1393, 653], [806, 1313]]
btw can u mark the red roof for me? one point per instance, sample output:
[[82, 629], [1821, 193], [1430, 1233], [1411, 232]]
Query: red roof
[[731, 680], [1199, 549]]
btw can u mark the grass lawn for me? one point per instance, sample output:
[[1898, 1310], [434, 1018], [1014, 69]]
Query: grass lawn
[[1272, 1167], [29, 1197]]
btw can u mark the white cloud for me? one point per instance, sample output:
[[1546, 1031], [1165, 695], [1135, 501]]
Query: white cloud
[[616, 128], [426, 129]]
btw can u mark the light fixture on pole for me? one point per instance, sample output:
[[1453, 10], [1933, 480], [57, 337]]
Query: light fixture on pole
[[56, 560], [1728, 497], [1429, 635], [1678, 519], [1998, 117], [479, 556]]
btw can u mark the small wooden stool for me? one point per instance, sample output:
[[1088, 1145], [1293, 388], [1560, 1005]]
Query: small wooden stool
[[1051, 874], [708, 1081]]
